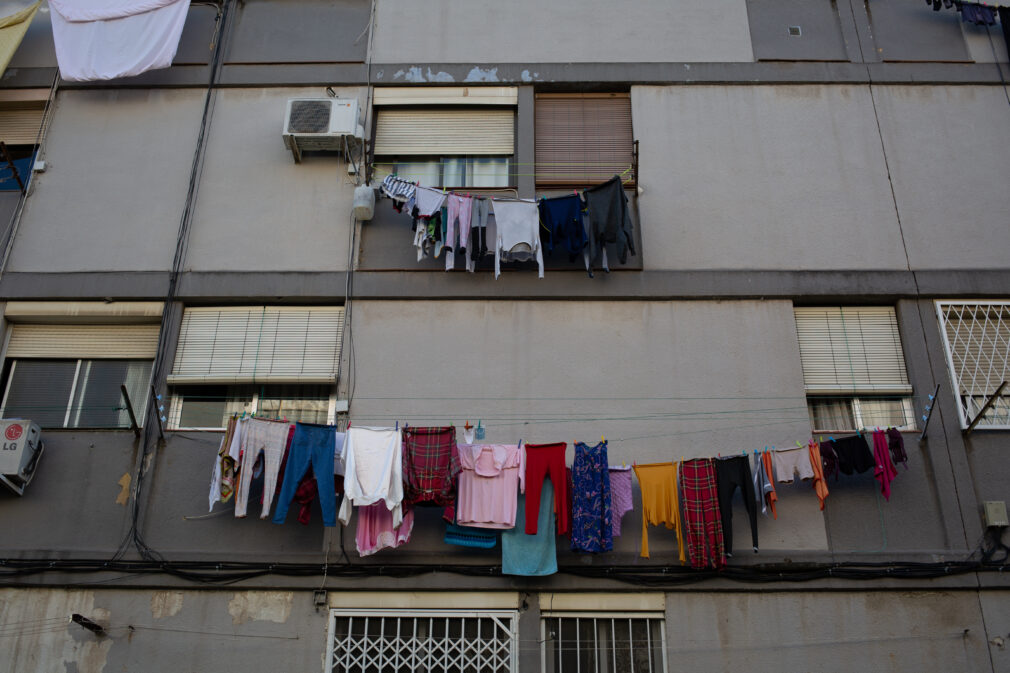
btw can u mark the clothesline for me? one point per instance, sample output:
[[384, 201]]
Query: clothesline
[[433, 469]]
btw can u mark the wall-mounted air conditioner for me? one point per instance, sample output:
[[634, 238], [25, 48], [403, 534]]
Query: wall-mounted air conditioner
[[330, 124], [20, 449]]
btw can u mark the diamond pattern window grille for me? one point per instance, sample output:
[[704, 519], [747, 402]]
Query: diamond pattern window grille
[[436, 641], [603, 643], [976, 336]]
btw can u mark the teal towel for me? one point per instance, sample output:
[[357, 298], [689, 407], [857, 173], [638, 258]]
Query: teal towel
[[523, 554]]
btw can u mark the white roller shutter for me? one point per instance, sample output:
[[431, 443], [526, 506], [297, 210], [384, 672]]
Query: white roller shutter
[[851, 350], [125, 342], [257, 344], [469, 131]]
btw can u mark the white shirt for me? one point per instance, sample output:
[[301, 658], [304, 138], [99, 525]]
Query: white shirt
[[373, 471]]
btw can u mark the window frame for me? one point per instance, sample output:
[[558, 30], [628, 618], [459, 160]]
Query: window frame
[[177, 404], [1003, 306], [391, 164], [10, 367], [547, 664], [856, 393]]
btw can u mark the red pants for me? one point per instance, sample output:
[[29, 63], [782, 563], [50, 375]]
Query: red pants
[[542, 461]]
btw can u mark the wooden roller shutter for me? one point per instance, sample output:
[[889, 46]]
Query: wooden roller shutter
[[851, 350], [114, 342], [583, 139], [259, 344], [440, 132]]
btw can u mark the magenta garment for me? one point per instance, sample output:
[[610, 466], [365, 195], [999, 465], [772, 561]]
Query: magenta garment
[[620, 496], [376, 531], [884, 470], [488, 485]]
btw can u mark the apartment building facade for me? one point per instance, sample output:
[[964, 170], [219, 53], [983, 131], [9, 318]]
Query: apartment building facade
[[820, 226]]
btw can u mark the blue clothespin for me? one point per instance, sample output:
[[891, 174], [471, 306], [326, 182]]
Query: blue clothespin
[[831, 438], [398, 425]]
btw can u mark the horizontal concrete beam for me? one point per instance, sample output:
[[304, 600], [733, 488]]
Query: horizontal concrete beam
[[855, 286]]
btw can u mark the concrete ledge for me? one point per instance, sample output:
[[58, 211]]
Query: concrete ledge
[[856, 286]]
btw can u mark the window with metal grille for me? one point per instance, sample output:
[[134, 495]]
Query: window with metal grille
[[633, 642], [583, 139], [435, 641], [853, 368], [976, 336]]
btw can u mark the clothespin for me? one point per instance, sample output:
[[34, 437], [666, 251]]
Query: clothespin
[[821, 438], [798, 444], [624, 464], [603, 440], [520, 444], [398, 425], [467, 425], [831, 438]]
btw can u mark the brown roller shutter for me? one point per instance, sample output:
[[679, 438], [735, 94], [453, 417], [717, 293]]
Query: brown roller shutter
[[583, 139]]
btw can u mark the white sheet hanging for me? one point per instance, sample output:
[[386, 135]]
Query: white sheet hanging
[[106, 39]]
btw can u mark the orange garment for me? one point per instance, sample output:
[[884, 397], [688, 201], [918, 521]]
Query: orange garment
[[660, 501], [820, 485], [771, 497]]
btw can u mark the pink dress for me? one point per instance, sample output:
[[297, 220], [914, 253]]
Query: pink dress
[[488, 484], [376, 531]]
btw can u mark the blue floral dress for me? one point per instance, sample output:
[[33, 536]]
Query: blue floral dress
[[591, 524]]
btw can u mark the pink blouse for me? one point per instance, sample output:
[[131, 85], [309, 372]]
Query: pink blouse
[[487, 484]]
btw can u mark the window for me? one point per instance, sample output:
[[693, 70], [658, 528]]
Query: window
[[976, 336], [276, 361], [611, 642], [584, 139], [21, 116], [449, 641], [69, 376], [853, 368], [450, 137]]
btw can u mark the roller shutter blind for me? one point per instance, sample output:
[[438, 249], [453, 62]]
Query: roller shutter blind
[[436, 132], [20, 124], [851, 350], [259, 345], [583, 138], [127, 342]]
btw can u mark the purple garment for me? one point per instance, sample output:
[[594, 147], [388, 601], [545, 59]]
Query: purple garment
[[896, 443], [591, 521], [829, 460], [980, 15], [620, 497]]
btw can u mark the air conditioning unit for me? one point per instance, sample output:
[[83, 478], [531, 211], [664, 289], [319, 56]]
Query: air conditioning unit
[[321, 124], [20, 449]]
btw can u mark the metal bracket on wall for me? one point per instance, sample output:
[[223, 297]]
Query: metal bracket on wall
[[929, 408], [985, 407], [129, 410]]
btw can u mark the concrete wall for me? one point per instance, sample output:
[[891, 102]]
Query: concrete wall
[[882, 631], [306, 31], [117, 167], [662, 380], [952, 213], [257, 209], [156, 630], [779, 177], [454, 31]]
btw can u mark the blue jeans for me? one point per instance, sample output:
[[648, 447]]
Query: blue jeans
[[312, 445]]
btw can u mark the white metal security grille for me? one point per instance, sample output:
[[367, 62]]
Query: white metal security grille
[[603, 643], [259, 344], [436, 641], [976, 336]]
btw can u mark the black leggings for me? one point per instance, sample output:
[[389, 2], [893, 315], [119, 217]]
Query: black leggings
[[733, 472]]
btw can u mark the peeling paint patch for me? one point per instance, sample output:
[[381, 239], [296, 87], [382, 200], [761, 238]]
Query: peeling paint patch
[[440, 76], [166, 604], [63, 647], [261, 606], [398, 74], [525, 76], [124, 493], [477, 74]]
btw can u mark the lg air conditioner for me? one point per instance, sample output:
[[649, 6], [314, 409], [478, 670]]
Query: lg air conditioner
[[327, 124], [20, 449]]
